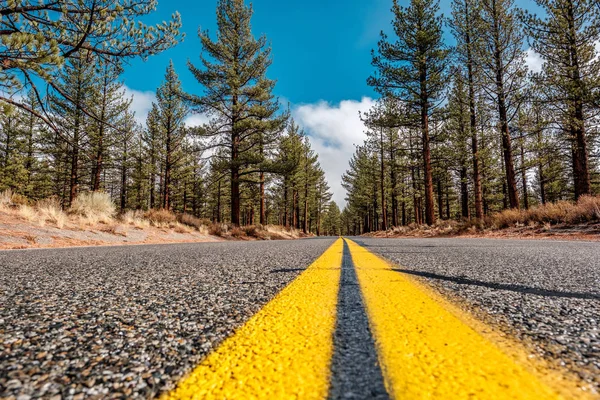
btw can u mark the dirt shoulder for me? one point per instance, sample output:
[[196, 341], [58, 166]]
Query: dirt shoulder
[[587, 232], [16, 233]]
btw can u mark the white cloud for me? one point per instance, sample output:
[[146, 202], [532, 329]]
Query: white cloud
[[334, 130], [196, 120], [141, 104], [533, 60]]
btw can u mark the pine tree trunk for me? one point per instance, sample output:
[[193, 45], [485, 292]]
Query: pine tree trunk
[[305, 222], [235, 168], [382, 177], [509, 168], [581, 173], [123, 186], [394, 183], [74, 167], [541, 167], [524, 177], [464, 193], [440, 194], [429, 203], [98, 167], [297, 208], [263, 218], [286, 221], [477, 192], [152, 177], [428, 175], [219, 202]]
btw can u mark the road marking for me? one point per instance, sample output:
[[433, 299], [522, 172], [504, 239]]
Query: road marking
[[284, 351], [427, 352]]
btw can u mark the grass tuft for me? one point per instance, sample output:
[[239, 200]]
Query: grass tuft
[[161, 218], [50, 210], [93, 207]]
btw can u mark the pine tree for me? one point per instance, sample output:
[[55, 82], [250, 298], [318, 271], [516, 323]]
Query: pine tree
[[414, 68], [502, 61], [108, 104], [468, 35], [74, 94], [237, 95], [458, 127], [40, 36], [12, 150], [565, 37], [171, 112]]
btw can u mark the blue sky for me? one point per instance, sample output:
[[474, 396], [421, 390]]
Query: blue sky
[[321, 59], [321, 49]]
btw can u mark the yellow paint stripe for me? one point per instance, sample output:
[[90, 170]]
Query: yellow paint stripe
[[282, 352], [426, 351]]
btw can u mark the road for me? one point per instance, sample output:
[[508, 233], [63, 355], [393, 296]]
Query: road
[[320, 315]]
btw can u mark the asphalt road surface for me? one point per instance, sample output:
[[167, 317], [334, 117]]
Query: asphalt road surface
[[130, 322], [544, 292]]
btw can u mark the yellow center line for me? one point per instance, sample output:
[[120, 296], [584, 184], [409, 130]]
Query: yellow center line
[[426, 351], [284, 351]]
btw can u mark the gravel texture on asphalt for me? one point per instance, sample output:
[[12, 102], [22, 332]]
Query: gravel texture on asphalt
[[128, 322], [355, 369], [545, 292]]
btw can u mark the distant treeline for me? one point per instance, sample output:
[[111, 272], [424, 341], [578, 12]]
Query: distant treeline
[[466, 131], [67, 125]]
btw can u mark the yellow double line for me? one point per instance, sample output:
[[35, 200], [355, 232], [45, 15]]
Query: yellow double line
[[427, 348]]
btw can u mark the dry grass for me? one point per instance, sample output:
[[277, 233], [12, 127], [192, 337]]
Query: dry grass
[[135, 218], [587, 209], [161, 218], [237, 232], [93, 207], [6, 199], [95, 210], [50, 210], [10, 200], [536, 220], [28, 213], [218, 229]]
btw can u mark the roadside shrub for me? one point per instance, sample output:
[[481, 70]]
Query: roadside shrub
[[135, 218], [217, 229], [20, 200], [587, 209], [181, 228], [28, 213], [6, 199], [51, 211], [237, 232], [94, 206], [252, 231], [194, 222], [161, 218], [508, 218], [10, 199]]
